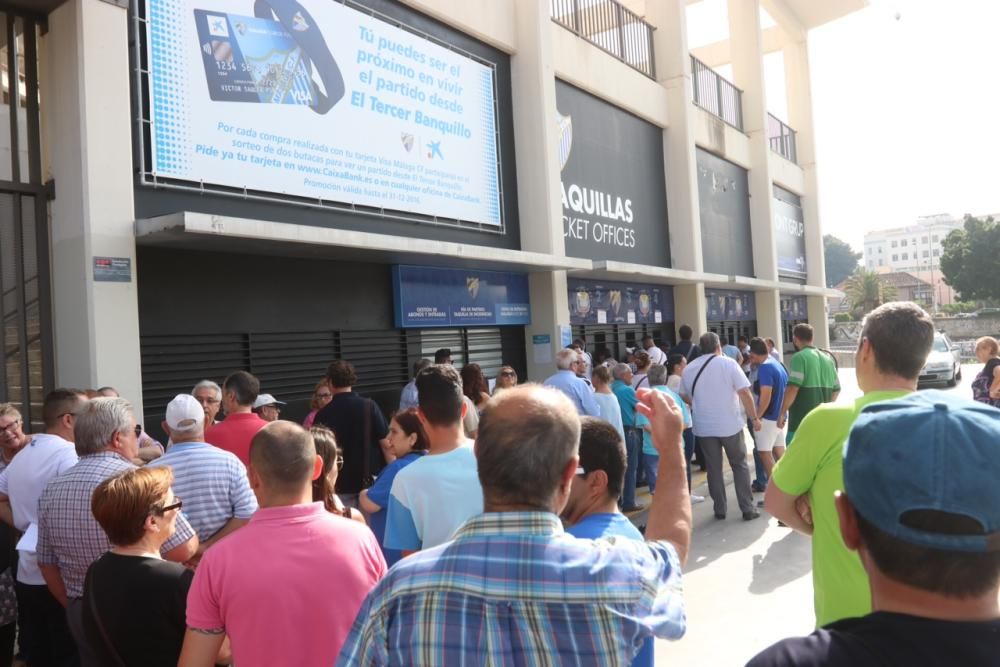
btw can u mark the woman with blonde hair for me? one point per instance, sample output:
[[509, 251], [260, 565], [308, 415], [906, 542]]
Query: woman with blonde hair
[[322, 395], [986, 386]]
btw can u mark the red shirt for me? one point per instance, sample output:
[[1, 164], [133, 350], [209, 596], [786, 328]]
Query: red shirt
[[235, 433]]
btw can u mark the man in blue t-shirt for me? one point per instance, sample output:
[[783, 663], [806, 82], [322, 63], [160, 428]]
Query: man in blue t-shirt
[[592, 508], [772, 378]]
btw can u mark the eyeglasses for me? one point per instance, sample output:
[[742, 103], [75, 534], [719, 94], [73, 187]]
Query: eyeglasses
[[210, 401], [160, 511], [508, 374], [340, 463], [9, 428], [580, 471], [138, 430], [326, 395]]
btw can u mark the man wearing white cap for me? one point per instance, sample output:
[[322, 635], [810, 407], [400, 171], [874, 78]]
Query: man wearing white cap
[[268, 407], [211, 481]]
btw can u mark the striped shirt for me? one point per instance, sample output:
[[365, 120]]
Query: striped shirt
[[212, 483], [513, 589], [68, 534]]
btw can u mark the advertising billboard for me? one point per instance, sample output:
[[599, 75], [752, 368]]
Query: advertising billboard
[[614, 196], [731, 305], [433, 297], [724, 198], [789, 235], [315, 99], [611, 302]]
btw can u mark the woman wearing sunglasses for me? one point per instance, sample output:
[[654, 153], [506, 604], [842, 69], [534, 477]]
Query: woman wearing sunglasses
[[134, 601], [506, 379]]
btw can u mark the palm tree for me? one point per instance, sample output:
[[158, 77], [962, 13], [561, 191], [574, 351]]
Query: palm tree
[[866, 291]]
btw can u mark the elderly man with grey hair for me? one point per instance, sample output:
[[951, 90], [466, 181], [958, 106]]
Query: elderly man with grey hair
[[627, 399], [718, 421], [209, 395], [69, 538], [566, 380], [544, 593]]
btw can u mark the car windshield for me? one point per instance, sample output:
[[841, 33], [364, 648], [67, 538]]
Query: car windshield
[[940, 345]]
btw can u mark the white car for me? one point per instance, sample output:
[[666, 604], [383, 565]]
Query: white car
[[944, 363]]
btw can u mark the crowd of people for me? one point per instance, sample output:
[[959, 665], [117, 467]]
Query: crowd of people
[[487, 526]]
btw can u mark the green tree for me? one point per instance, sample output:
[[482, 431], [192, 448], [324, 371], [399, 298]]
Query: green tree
[[841, 260], [970, 259], [866, 291]]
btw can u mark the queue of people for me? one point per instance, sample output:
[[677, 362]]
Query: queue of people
[[402, 541]]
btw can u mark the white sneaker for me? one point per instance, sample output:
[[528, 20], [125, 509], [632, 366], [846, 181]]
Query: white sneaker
[[697, 499]]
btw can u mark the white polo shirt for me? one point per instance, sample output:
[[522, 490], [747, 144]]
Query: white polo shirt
[[716, 407], [23, 481]]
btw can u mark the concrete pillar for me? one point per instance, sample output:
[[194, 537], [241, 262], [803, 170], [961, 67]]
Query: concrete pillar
[[87, 134], [799, 93], [746, 48], [673, 71], [816, 309], [539, 205], [769, 315], [690, 308]]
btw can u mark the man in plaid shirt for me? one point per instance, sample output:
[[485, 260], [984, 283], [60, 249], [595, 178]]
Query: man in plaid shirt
[[512, 588], [69, 538]]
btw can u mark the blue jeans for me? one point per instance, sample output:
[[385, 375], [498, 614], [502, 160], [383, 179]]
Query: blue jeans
[[688, 452], [650, 463], [633, 443]]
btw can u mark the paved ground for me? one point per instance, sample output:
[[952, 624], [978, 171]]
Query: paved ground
[[747, 584]]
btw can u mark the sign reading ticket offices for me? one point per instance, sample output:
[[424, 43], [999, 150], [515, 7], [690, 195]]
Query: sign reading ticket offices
[[312, 98]]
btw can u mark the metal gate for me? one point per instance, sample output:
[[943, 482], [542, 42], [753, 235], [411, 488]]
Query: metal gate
[[25, 302]]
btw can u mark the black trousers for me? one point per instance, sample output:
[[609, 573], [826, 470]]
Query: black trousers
[[45, 639]]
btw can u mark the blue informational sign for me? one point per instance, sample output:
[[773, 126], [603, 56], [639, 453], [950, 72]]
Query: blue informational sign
[[611, 302], [793, 308], [432, 297], [730, 305]]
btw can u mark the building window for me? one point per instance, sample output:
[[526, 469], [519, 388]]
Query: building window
[[924, 240], [906, 256], [937, 253], [903, 243], [895, 258], [935, 237], [881, 263], [926, 254], [880, 250], [894, 243]]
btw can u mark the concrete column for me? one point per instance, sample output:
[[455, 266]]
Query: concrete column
[[690, 308], [816, 309], [538, 182], [746, 48], [673, 71], [799, 93], [87, 134], [769, 315]]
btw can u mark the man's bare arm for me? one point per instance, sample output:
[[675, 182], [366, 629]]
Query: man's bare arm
[[791, 391], [202, 647], [670, 512], [765, 401], [786, 507]]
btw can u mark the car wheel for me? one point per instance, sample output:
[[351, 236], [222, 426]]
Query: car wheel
[[958, 374], [952, 381]]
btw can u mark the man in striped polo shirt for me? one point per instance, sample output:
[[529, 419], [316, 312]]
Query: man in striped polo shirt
[[211, 481], [812, 380]]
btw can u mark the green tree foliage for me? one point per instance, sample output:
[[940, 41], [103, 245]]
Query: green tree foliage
[[841, 260], [970, 259], [960, 307], [866, 291]]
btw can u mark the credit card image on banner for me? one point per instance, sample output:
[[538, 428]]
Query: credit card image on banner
[[249, 59]]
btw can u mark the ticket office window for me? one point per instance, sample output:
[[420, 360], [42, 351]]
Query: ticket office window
[[733, 330]]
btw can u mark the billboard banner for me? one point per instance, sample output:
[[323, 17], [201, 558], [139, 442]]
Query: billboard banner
[[432, 297], [730, 305], [794, 308], [789, 234], [314, 99], [609, 302], [614, 198], [724, 199]]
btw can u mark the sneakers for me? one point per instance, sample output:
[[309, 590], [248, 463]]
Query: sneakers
[[750, 516], [697, 499], [756, 487], [720, 517]]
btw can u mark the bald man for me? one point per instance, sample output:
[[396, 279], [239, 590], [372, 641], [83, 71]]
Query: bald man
[[286, 587], [598, 600]]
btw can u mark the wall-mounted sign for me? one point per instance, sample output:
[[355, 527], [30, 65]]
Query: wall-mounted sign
[[724, 199], [614, 197], [789, 234], [316, 99], [609, 302], [432, 297], [730, 305], [794, 308], [113, 269]]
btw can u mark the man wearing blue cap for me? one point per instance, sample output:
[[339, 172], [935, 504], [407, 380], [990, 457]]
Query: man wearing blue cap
[[895, 341], [922, 510]]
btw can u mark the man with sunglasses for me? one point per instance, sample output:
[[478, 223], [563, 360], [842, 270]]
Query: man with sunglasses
[[212, 481], [44, 637], [69, 538]]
